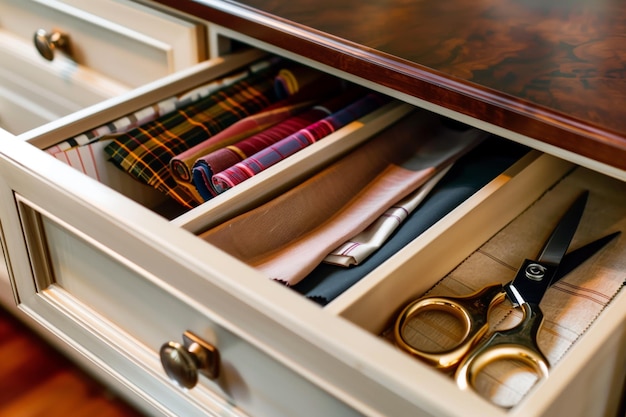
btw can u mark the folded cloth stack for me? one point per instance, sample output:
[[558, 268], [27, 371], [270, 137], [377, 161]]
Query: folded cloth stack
[[471, 172], [290, 235]]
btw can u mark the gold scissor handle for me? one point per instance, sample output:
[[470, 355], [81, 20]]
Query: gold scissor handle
[[518, 343], [473, 313]]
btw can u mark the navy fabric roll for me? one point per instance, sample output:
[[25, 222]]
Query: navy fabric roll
[[467, 176]]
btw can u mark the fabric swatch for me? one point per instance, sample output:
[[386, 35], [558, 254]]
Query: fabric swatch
[[289, 236], [225, 157], [470, 173]]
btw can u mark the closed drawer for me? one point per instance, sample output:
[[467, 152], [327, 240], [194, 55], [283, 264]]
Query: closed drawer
[[119, 281], [36, 92], [109, 36], [102, 35]]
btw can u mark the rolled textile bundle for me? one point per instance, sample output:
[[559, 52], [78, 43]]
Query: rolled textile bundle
[[145, 152], [290, 235], [301, 99], [291, 80], [181, 164], [296, 142], [205, 167]]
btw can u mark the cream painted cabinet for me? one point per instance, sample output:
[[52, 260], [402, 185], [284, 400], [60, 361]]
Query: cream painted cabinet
[[58, 57], [94, 264]]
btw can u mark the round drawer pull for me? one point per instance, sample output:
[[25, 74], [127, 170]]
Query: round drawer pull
[[46, 43], [182, 363]]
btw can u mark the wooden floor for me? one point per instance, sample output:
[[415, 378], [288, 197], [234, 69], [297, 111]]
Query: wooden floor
[[37, 381]]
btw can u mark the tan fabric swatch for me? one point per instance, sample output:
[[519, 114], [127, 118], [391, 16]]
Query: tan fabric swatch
[[361, 246]]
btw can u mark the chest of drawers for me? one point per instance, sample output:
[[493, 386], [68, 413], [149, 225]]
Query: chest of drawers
[[114, 281]]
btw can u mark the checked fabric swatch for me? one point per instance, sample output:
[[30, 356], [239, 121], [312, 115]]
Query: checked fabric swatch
[[145, 152]]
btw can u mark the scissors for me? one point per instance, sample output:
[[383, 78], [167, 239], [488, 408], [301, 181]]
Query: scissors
[[470, 356]]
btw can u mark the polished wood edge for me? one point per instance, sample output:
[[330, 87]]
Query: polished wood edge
[[493, 107]]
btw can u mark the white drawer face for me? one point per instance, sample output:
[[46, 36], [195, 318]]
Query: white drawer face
[[35, 92], [81, 275], [153, 44], [20, 115], [112, 274]]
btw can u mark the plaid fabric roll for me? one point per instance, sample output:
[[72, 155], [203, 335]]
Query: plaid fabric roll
[[224, 158], [296, 142], [145, 152], [163, 107]]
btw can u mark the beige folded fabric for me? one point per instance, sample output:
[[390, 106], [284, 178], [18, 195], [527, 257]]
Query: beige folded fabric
[[289, 236], [361, 246]]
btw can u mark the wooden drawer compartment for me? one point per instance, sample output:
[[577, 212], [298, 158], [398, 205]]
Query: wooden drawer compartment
[[447, 251], [118, 281]]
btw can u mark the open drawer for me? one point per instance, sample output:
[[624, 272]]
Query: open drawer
[[117, 281]]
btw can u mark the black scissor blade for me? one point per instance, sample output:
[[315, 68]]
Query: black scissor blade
[[562, 235], [576, 257], [535, 277]]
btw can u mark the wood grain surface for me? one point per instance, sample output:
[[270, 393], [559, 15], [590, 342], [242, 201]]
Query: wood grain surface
[[36, 380], [554, 70]]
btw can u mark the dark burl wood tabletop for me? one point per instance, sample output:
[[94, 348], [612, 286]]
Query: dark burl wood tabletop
[[551, 70]]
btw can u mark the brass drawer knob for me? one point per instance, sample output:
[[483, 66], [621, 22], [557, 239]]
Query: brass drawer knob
[[46, 43], [182, 363]]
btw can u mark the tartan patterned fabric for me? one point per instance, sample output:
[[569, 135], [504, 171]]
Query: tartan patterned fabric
[[168, 105], [145, 152], [224, 158], [296, 142]]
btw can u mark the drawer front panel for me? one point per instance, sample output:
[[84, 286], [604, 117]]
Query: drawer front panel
[[27, 104], [75, 273]]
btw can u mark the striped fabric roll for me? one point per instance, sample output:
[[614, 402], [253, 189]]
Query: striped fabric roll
[[308, 87], [224, 158], [145, 152], [296, 142], [181, 165]]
